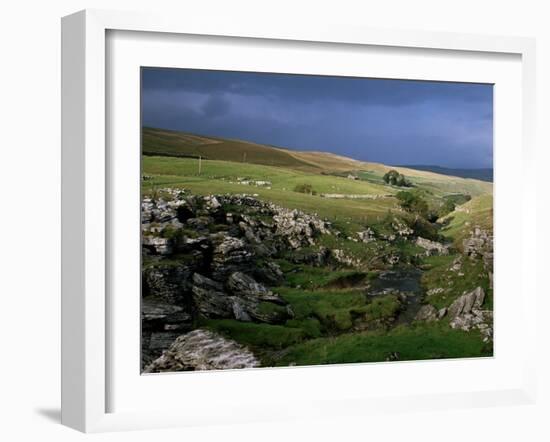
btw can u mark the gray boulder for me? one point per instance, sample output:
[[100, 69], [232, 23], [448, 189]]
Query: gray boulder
[[465, 313], [432, 247], [467, 302], [203, 350]]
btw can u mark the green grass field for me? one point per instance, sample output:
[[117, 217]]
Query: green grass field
[[221, 177]]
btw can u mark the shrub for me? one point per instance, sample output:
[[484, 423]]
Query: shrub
[[305, 188]]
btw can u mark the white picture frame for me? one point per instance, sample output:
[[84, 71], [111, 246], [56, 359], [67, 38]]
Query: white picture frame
[[85, 217]]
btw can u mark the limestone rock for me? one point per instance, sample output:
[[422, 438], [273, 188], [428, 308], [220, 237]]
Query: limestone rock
[[245, 286], [169, 281], [230, 255], [466, 302], [157, 245], [465, 313], [203, 350], [152, 310], [432, 247]]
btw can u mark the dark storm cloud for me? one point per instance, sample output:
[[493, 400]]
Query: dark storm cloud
[[390, 121]]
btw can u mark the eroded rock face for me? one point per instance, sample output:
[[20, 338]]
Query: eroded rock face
[[230, 255], [210, 299], [203, 350], [169, 281]]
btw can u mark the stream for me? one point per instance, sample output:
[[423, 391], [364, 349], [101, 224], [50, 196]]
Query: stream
[[406, 281]]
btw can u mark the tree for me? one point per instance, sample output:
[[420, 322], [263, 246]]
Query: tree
[[413, 202], [395, 178]]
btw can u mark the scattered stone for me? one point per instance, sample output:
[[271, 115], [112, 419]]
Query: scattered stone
[[435, 291]]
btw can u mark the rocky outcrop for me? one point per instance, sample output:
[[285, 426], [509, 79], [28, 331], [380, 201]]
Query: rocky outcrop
[[157, 245], [298, 228], [169, 281], [154, 310], [479, 244], [269, 273], [244, 286], [432, 247], [467, 302], [203, 350], [401, 229], [210, 299], [161, 323], [230, 255], [212, 257], [466, 313], [242, 298]]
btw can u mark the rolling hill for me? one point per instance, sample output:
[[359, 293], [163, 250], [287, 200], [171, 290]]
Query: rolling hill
[[162, 142]]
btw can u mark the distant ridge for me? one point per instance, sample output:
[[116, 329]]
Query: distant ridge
[[485, 174]]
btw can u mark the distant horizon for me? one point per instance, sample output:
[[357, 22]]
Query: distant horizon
[[393, 122], [303, 150]]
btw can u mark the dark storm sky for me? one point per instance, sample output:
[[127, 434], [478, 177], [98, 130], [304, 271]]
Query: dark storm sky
[[387, 121]]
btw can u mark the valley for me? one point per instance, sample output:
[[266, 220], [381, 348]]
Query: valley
[[277, 257]]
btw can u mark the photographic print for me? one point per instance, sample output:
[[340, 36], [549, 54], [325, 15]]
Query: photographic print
[[298, 220]]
